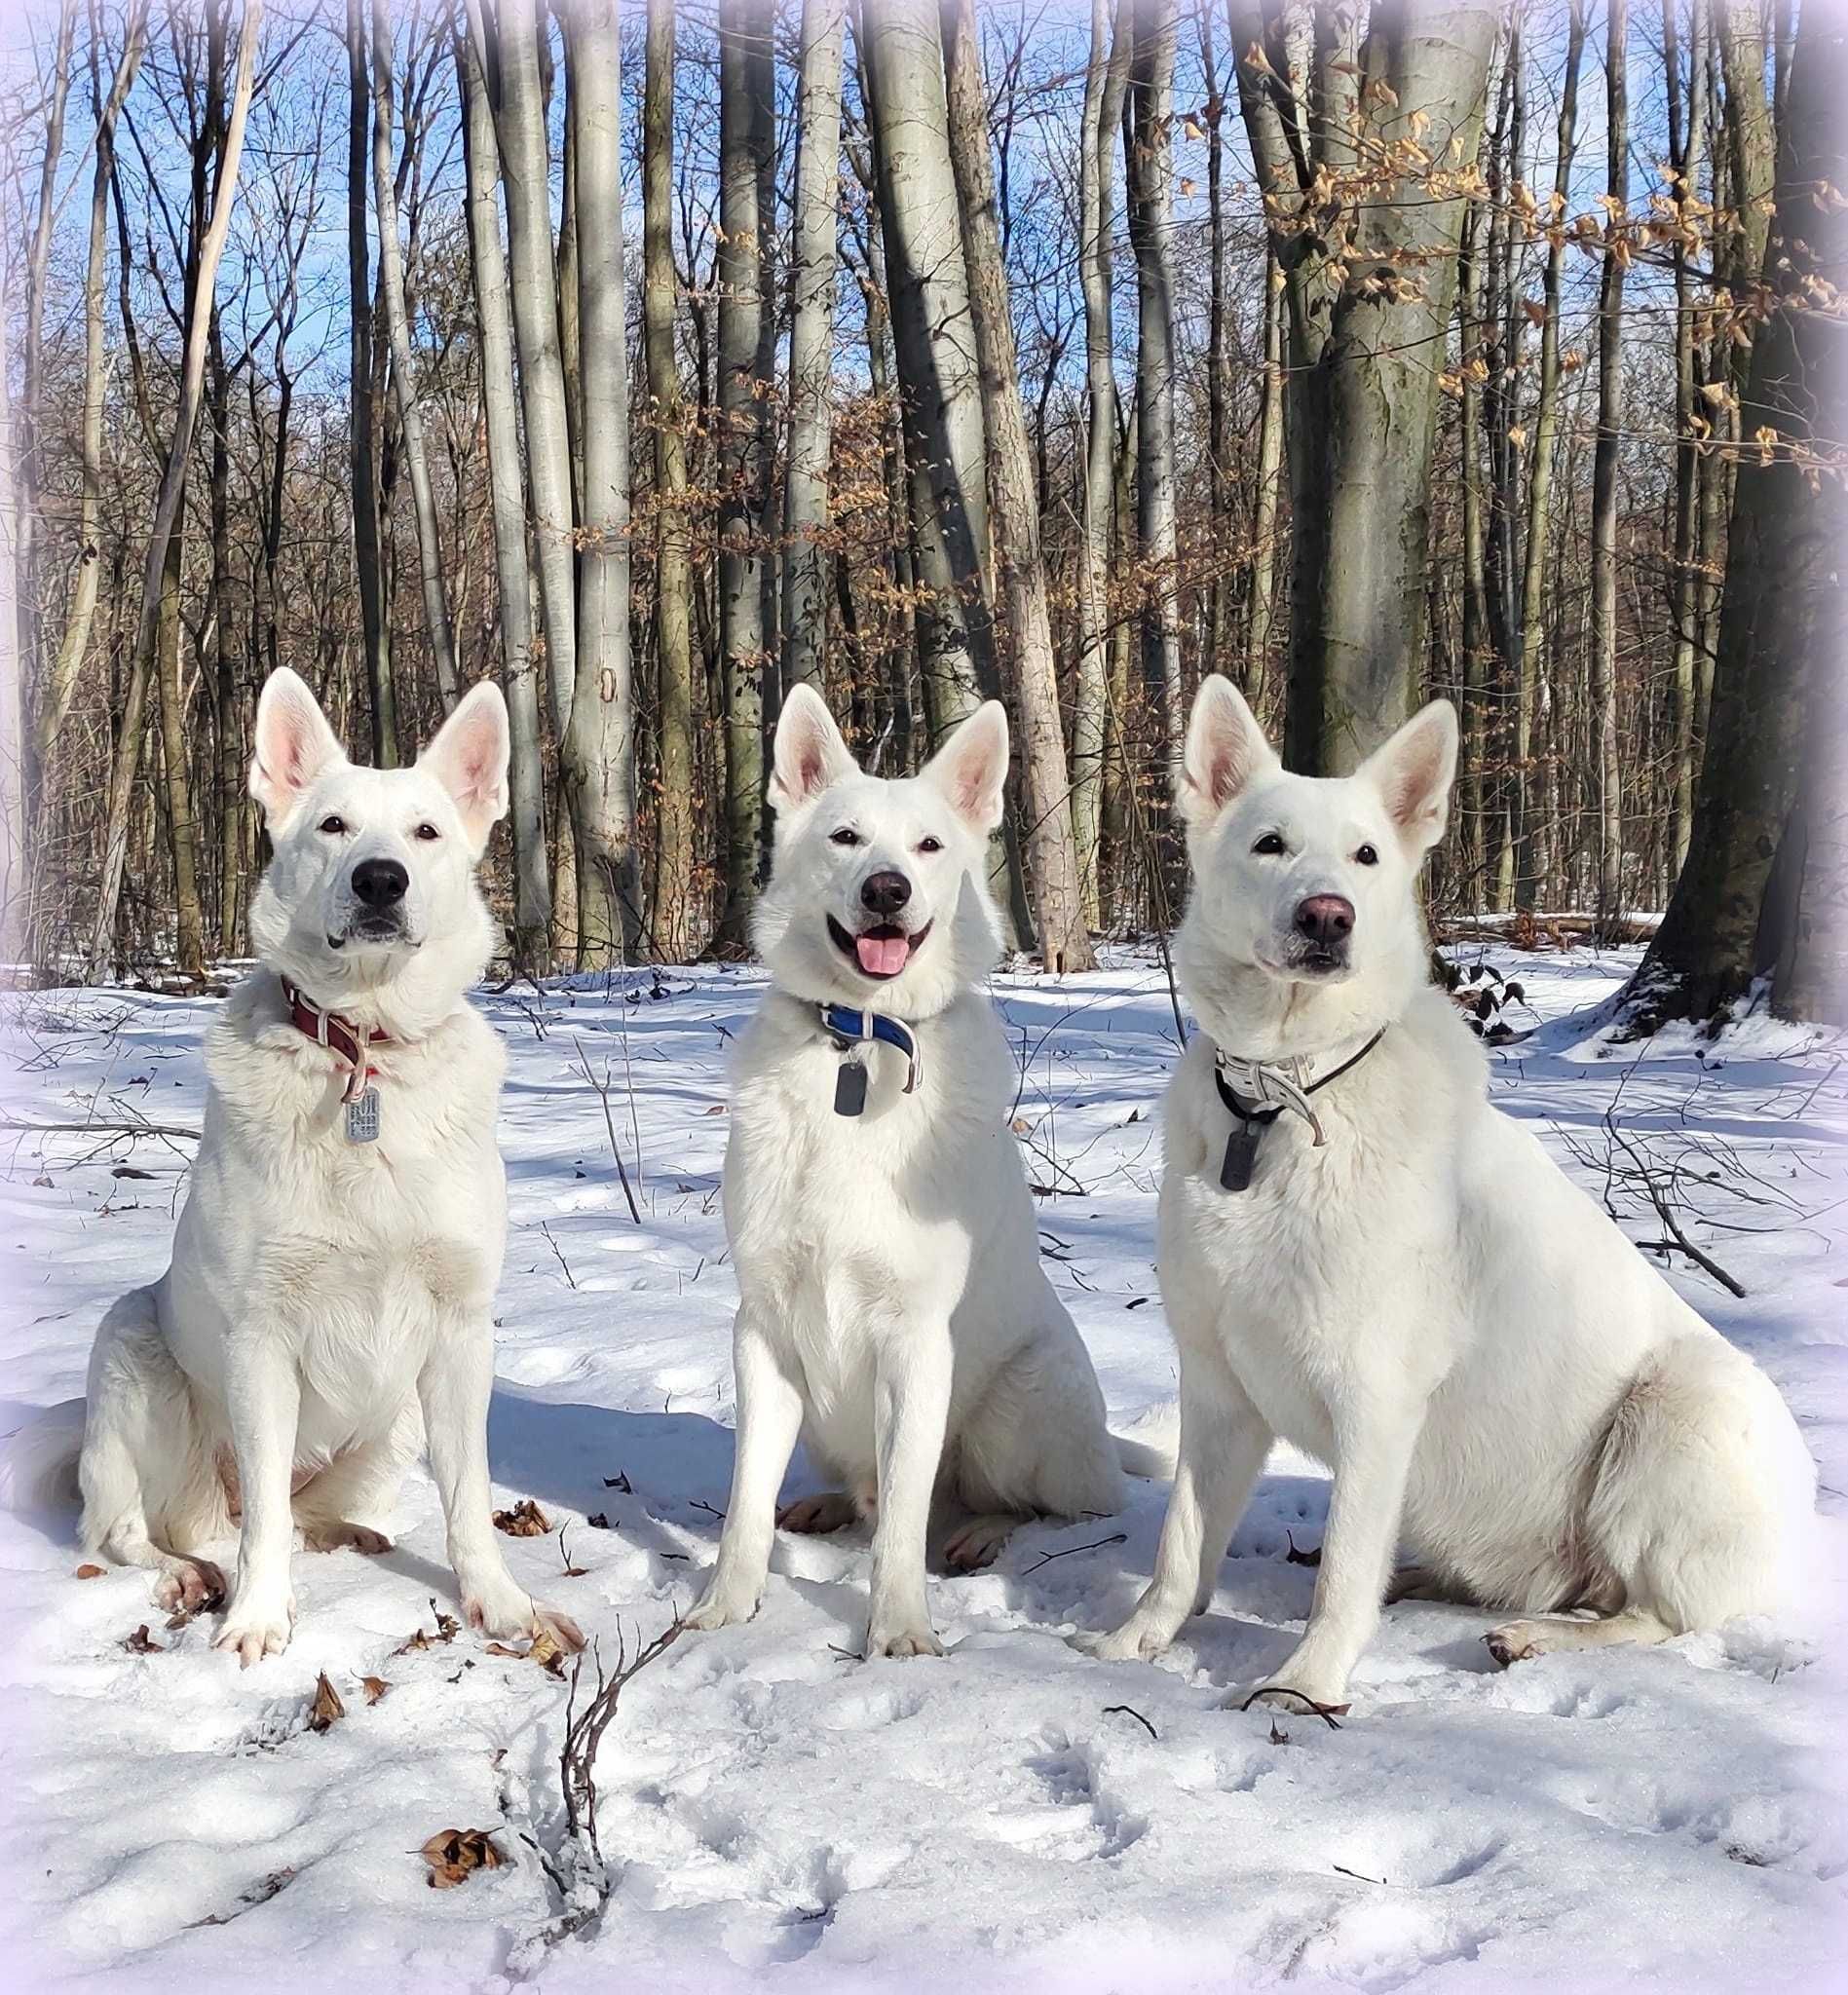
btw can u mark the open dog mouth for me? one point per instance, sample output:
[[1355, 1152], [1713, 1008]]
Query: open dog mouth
[[1318, 962], [377, 933], [882, 951]]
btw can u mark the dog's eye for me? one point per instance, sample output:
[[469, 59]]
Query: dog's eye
[[931, 844], [333, 826], [1367, 856], [1270, 844], [845, 836], [427, 832]]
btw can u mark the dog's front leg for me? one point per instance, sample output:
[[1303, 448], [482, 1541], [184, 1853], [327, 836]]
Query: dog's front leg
[[263, 1402], [1224, 1442], [1373, 1456], [454, 1388], [768, 1420], [910, 1414]]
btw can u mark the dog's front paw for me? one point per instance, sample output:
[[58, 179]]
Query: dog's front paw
[[1520, 1642], [720, 1606], [257, 1625], [1136, 1641], [506, 1612], [914, 1640]]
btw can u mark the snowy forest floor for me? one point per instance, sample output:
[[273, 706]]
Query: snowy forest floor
[[1015, 1815]]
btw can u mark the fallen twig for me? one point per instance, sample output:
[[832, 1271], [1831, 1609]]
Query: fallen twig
[[1129, 1711], [1047, 1558], [609, 1122]]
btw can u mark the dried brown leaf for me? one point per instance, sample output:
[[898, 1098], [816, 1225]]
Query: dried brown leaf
[[90, 1572], [374, 1687], [326, 1710], [141, 1643], [524, 1521], [455, 1853]]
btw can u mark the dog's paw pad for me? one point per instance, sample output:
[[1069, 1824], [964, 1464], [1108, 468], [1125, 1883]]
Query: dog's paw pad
[[1515, 1644], [195, 1587], [815, 1516]]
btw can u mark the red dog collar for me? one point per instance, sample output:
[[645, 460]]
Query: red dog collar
[[338, 1034]]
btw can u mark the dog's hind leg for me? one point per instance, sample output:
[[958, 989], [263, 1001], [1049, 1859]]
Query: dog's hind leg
[[360, 1482], [151, 1494], [1698, 1508]]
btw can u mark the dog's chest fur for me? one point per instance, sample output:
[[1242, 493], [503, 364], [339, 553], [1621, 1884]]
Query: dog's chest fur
[[1306, 1275], [356, 1251], [847, 1228]]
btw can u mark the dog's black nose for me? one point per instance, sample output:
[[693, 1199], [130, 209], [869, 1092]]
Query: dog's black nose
[[380, 883], [884, 893], [1325, 917]]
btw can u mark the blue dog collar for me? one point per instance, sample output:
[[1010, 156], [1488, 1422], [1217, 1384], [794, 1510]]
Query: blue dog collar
[[849, 1030]]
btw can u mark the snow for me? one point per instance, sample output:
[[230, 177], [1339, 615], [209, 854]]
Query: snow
[[1017, 1815]]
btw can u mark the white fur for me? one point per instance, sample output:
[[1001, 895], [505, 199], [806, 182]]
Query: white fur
[[328, 1302], [1425, 1304], [892, 1310]]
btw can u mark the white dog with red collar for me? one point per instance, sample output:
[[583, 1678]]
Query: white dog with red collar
[[333, 1271]]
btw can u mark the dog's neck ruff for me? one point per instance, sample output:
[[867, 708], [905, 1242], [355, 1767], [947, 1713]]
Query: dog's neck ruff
[[1258, 1091], [851, 1031], [338, 1034]]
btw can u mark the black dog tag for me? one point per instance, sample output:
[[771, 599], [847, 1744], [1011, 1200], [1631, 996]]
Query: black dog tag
[[850, 1088], [1241, 1154]]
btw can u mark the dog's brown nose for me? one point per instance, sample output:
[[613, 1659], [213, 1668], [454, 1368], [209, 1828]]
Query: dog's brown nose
[[884, 893], [1325, 917]]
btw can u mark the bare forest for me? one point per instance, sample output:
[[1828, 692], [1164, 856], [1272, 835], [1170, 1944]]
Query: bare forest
[[654, 359]]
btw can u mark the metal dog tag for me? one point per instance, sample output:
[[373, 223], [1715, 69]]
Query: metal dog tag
[[362, 1117], [1242, 1155], [850, 1088]]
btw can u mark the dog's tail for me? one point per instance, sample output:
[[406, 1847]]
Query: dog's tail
[[1153, 1442], [38, 1460]]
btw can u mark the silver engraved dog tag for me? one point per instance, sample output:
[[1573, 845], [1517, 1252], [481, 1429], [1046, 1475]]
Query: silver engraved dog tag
[[362, 1117]]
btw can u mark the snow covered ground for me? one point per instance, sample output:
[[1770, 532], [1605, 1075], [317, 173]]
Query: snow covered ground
[[1015, 1816]]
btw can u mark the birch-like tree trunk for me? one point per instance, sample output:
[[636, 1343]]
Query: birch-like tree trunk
[[532, 883], [1150, 143], [805, 508], [1051, 855], [938, 375], [403, 372], [1264, 503], [363, 424], [1532, 690], [58, 686], [172, 491], [1105, 78], [748, 443], [1605, 471], [674, 925], [600, 748], [1687, 132]]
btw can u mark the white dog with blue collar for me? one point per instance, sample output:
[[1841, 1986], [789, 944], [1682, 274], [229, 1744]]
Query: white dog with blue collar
[[893, 1311]]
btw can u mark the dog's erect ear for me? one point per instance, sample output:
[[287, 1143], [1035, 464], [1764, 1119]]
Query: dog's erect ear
[[294, 745], [469, 758], [1226, 748], [809, 752], [1413, 772], [971, 769]]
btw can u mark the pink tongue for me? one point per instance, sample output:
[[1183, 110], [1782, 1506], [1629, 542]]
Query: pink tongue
[[882, 955]]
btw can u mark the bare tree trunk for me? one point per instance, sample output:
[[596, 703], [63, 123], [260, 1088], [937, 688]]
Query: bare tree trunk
[[1150, 144], [1753, 146], [532, 884], [1781, 623], [366, 557], [939, 382], [675, 928], [172, 486], [24, 438], [599, 746], [58, 686], [1685, 145], [1526, 802], [397, 330], [1605, 471], [1380, 275], [746, 337], [805, 622], [1051, 857], [1219, 631], [1105, 80], [1263, 521]]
